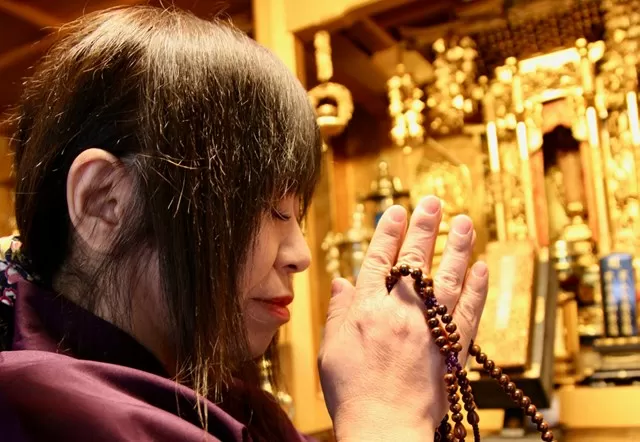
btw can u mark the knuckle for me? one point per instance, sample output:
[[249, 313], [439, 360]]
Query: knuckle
[[378, 257], [467, 316], [414, 257], [458, 245], [448, 282], [427, 227], [400, 323]]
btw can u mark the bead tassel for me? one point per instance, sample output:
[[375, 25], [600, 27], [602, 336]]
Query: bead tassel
[[457, 385]]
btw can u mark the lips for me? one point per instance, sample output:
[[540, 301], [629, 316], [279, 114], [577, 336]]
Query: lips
[[282, 301], [277, 307]]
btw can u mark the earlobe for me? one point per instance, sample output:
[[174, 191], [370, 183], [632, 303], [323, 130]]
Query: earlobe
[[95, 196]]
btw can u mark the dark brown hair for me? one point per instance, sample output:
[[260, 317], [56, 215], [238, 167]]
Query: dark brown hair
[[214, 129]]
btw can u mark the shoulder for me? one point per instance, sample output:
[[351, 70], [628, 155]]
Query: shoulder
[[52, 394]]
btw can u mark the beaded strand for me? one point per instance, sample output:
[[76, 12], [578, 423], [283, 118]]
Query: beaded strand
[[457, 384]]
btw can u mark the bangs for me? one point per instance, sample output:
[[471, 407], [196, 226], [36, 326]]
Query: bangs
[[287, 133]]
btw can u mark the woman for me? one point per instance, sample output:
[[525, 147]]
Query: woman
[[163, 164]]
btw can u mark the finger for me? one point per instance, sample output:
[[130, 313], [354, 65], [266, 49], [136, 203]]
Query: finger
[[342, 294], [382, 251], [420, 240], [468, 311], [455, 261]]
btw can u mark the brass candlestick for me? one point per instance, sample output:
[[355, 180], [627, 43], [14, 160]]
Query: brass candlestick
[[386, 190], [345, 251]]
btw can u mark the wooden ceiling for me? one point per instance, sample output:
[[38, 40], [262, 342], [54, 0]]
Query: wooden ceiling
[[28, 25], [366, 45]]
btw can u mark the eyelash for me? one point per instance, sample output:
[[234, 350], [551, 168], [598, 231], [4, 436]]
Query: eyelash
[[281, 216]]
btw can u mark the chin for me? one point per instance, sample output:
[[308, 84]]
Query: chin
[[259, 343]]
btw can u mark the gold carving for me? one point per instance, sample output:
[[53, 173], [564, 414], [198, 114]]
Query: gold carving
[[454, 93], [504, 327], [405, 109], [441, 174]]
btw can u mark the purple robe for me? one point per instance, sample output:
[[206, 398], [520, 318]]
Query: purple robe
[[71, 376]]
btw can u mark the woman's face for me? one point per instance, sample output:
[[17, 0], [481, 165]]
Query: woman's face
[[280, 251]]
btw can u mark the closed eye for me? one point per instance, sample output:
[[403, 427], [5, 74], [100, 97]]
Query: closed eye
[[281, 215]]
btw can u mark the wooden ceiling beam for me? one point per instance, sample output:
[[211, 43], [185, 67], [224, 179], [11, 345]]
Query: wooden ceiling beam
[[371, 36], [358, 73], [30, 14], [413, 12]]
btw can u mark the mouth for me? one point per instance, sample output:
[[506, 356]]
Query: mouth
[[277, 306]]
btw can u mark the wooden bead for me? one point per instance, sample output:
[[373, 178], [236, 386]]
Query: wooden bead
[[449, 379], [451, 388], [436, 331], [431, 313], [473, 418], [525, 402], [417, 274], [474, 351], [503, 380], [489, 365], [453, 398], [457, 418], [445, 350], [433, 323], [531, 410], [450, 328], [447, 318], [543, 426], [469, 406], [496, 372], [457, 348], [547, 436], [455, 408], [510, 388], [537, 418], [405, 270], [481, 358], [453, 337], [441, 309], [517, 395], [441, 341], [395, 272], [459, 431], [428, 281]]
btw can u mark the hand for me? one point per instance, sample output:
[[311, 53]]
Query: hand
[[380, 370]]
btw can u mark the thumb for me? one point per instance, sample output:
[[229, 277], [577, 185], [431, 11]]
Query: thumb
[[342, 294]]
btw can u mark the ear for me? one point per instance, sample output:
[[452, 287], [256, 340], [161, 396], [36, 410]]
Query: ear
[[98, 191]]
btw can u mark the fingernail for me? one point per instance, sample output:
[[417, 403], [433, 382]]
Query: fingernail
[[336, 287], [480, 269], [397, 213], [462, 225], [431, 205]]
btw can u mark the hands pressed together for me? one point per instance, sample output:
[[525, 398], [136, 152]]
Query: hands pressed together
[[381, 372]]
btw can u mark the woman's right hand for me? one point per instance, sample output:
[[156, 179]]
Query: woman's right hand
[[381, 372]]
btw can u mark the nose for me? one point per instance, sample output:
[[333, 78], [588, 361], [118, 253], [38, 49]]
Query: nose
[[296, 255]]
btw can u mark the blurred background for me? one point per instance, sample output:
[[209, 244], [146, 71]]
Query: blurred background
[[522, 114]]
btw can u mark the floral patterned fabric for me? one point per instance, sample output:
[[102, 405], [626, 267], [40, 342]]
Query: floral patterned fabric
[[11, 270]]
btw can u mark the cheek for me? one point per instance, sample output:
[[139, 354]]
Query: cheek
[[261, 261]]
